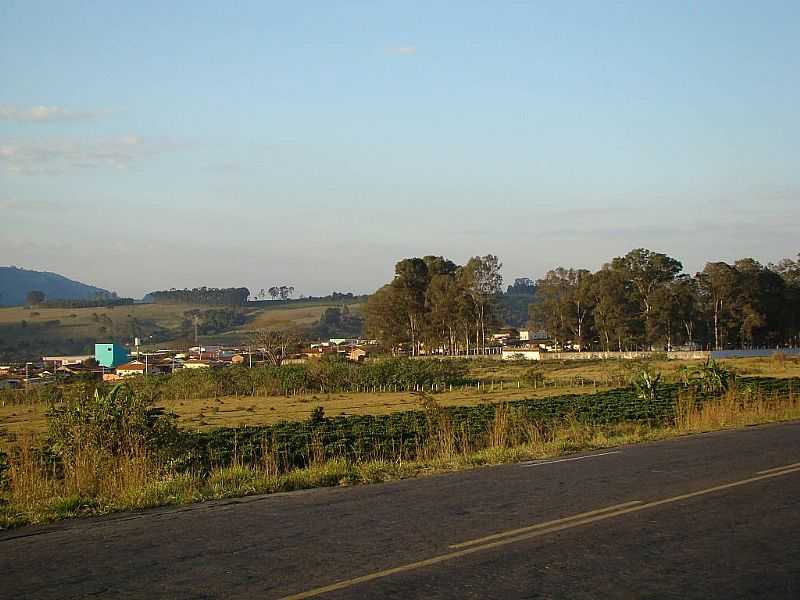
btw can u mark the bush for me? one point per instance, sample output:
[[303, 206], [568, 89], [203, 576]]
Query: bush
[[118, 422]]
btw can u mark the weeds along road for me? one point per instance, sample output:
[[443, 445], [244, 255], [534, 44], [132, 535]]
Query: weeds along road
[[713, 515]]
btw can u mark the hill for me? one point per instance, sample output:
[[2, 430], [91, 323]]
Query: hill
[[27, 334], [15, 283]]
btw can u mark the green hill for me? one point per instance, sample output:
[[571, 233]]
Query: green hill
[[15, 283]]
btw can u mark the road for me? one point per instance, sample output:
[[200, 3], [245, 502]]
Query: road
[[707, 516]]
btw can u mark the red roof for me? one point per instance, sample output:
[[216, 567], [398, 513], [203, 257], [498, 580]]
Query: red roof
[[132, 366]]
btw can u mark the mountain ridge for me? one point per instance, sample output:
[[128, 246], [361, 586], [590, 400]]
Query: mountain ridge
[[16, 282]]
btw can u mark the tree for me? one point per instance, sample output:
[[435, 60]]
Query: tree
[[647, 271], [34, 297], [483, 282], [275, 344], [563, 306], [717, 285], [385, 320], [274, 292], [409, 284], [789, 271], [442, 301], [613, 307]]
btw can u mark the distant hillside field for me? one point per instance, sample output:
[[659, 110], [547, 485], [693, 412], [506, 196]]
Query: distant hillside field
[[15, 283], [28, 333]]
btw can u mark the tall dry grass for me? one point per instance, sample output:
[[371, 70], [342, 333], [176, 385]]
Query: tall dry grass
[[91, 482], [736, 408]]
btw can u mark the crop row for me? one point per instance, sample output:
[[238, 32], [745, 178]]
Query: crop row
[[314, 376], [406, 435]]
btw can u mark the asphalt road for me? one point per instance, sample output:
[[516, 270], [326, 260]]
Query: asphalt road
[[708, 516]]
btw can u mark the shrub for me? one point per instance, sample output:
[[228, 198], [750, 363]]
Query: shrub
[[118, 422], [709, 378], [646, 384]]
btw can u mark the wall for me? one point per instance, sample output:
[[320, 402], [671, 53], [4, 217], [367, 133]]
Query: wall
[[511, 354]]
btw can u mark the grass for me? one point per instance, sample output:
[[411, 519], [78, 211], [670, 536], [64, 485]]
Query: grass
[[95, 484], [202, 414]]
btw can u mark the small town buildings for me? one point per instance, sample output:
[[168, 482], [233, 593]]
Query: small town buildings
[[64, 361], [195, 363], [139, 367]]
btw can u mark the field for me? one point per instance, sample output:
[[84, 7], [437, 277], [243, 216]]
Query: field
[[27, 333], [101, 465], [499, 382]]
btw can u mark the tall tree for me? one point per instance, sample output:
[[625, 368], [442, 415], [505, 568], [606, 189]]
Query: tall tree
[[410, 282], [563, 307], [717, 285], [384, 319], [482, 279], [613, 307]]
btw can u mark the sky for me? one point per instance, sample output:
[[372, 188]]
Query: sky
[[149, 145]]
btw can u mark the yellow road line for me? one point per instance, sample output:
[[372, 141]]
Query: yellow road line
[[544, 525], [564, 524], [774, 469]]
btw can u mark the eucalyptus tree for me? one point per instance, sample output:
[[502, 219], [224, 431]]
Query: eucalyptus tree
[[384, 319], [563, 306], [613, 310], [789, 271], [647, 272], [717, 286], [482, 280]]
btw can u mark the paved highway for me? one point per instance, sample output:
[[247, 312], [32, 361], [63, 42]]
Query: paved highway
[[708, 516]]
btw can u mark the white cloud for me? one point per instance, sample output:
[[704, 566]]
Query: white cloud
[[56, 156], [45, 114], [402, 50]]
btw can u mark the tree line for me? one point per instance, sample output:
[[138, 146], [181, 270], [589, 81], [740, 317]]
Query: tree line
[[202, 295], [644, 300], [284, 292], [435, 304]]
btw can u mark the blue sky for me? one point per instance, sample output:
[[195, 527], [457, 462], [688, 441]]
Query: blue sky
[[149, 145]]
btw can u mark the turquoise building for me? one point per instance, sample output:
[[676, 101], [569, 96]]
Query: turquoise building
[[110, 355]]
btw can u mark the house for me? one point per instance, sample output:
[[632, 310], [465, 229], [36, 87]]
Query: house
[[195, 363], [531, 335], [359, 354], [138, 367], [63, 361], [110, 355], [132, 368]]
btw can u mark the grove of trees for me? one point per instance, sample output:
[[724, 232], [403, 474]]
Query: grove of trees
[[435, 304], [643, 300], [202, 295]]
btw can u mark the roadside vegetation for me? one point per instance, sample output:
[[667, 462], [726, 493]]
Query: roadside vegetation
[[113, 449]]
